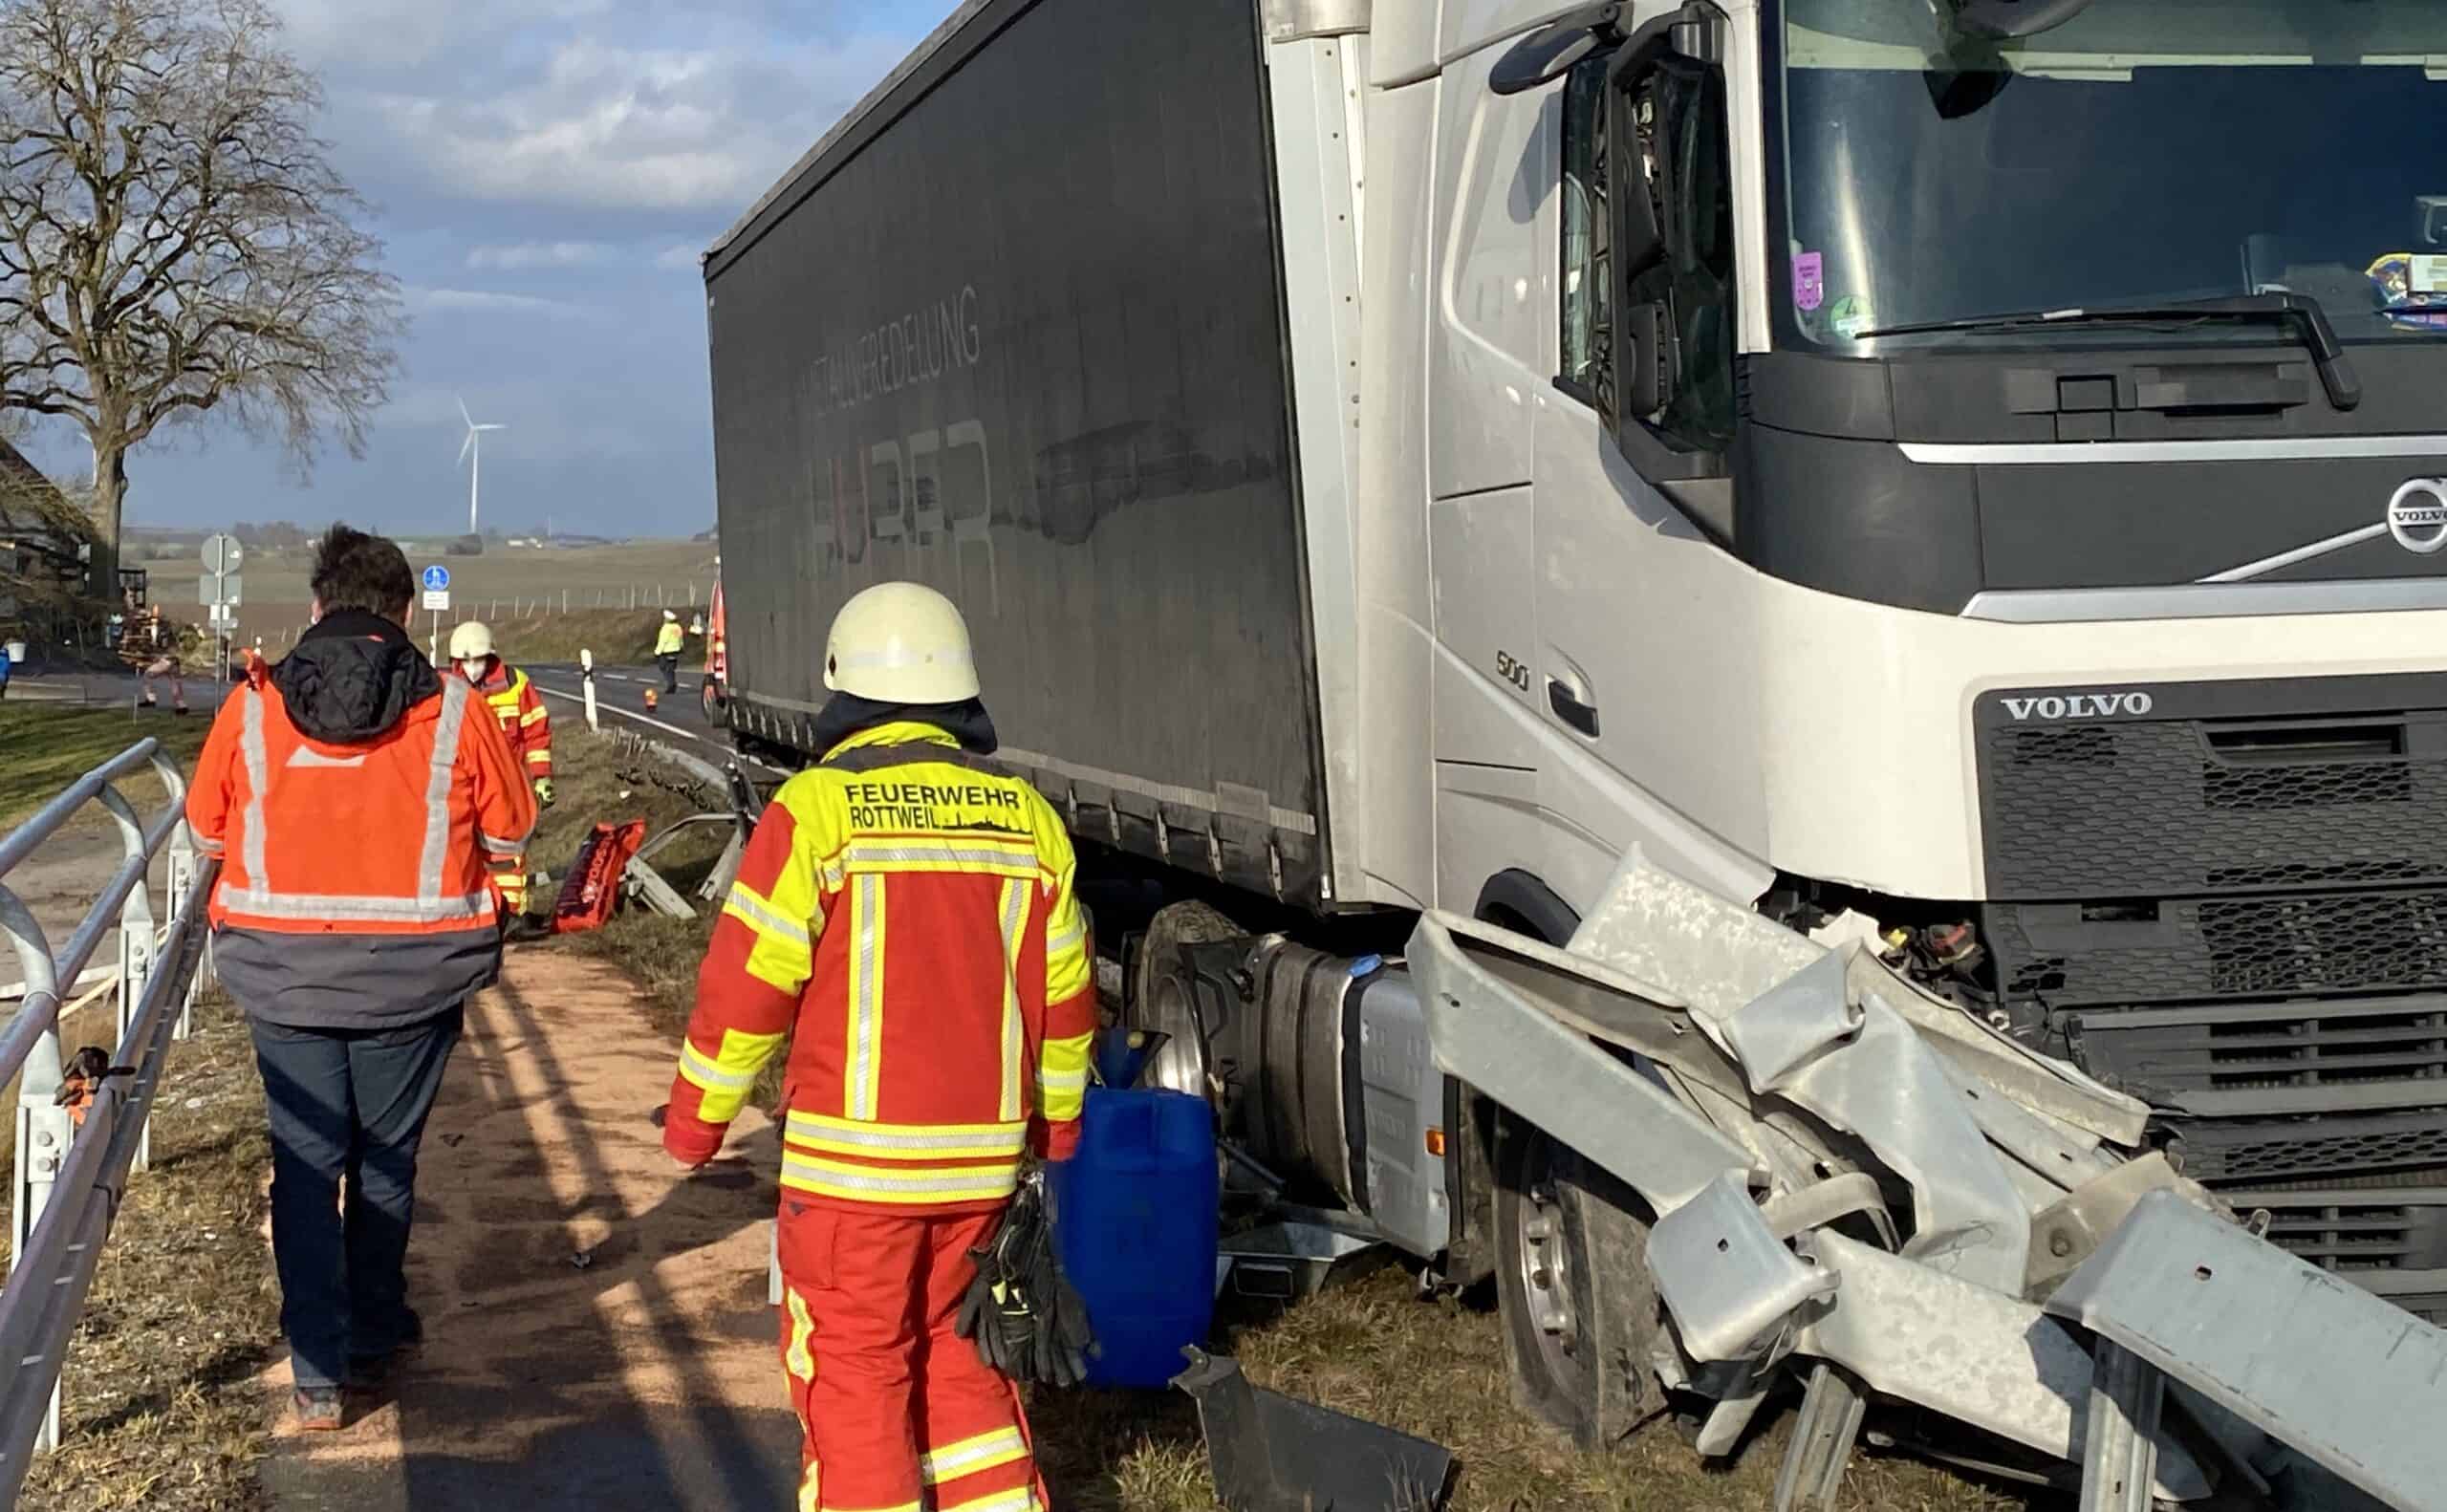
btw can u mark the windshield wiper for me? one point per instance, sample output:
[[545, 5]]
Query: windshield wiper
[[2299, 313]]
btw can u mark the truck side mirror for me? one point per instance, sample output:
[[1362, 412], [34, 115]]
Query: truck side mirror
[[1549, 52], [1667, 167]]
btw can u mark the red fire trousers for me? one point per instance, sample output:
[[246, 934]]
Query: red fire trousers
[[897, 1410]]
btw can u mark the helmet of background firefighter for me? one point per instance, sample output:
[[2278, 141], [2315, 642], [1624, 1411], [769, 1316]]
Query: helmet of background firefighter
[[900, 643], [470, 645], [471, 641]]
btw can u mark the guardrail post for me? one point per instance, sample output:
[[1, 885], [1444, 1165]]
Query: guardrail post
[[136, 951], [43, 1126], [181, 877]]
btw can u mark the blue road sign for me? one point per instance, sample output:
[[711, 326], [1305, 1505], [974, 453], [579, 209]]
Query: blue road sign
[[437, 579]]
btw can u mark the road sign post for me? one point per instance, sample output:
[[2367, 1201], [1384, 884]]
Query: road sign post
[[221, 594], [436, 581]]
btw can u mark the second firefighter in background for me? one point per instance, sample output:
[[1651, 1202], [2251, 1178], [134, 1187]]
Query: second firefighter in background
[[512, 698], [904, 917]]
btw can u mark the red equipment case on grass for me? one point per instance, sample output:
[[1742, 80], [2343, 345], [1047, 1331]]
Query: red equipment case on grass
[[593, 887]]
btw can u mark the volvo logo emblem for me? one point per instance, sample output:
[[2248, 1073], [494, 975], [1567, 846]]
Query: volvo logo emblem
[[2079, 705], [2418, 515]]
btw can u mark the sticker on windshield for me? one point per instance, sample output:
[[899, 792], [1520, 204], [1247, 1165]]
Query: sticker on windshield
[[2413, 286], [1809, 281], [1849, 316]]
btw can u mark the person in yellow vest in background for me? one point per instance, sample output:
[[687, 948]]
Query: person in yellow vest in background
[[668, 642], [514, 702]]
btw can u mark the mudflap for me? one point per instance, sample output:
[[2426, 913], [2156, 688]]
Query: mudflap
[[1469, 1184], [1270, 1453]]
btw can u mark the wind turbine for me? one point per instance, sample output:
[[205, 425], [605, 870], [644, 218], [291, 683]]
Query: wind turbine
[[473, 448]]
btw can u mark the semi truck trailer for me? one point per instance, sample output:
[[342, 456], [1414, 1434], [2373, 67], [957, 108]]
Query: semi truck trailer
[[1593, 567]]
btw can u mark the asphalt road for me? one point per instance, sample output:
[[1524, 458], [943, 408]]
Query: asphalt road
[[620, 692]]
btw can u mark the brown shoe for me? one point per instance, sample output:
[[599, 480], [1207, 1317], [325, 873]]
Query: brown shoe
[[319, 1409]]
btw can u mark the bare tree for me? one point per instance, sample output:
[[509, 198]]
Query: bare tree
[[174, 241]]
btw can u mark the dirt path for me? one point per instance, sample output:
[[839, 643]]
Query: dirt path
[[596, 1333]]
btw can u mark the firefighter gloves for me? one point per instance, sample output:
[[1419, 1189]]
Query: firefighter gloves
[[544, 791], [82, 1079], [1023, 1314]]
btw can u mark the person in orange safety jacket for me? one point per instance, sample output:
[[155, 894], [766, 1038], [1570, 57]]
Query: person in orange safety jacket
[[357, 801], [904, 918], [511, 695]]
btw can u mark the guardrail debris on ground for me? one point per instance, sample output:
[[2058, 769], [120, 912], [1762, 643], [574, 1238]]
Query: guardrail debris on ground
[[69, 1173]]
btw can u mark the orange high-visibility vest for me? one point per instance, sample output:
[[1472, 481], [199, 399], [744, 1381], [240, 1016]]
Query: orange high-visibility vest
[[390, 836], [524, 719], [904, 913]]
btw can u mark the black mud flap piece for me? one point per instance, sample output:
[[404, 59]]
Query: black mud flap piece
[[1268, 1453]]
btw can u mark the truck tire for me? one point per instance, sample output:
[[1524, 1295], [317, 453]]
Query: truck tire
[[1580, 1313], [710, 699], [1175, 925]]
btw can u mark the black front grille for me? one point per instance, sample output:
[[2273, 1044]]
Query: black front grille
[[2366, 1233], [2380, 1147], [2216, 790], [2231, 900], [2363, 1236], [2343, 1055], [2195, 948]]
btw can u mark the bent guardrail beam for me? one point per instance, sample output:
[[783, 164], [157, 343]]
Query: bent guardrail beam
[[2059, 1287], [67, 1177]]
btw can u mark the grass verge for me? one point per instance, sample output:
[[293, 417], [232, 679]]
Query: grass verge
[[44, 747], [1371, 1348], [596, 783], [618, 638]]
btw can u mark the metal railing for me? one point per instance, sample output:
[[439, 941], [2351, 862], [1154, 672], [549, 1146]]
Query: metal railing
[[69, 1176]]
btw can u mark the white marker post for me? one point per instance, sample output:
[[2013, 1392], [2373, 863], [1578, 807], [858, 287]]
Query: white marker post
[[586, 679]]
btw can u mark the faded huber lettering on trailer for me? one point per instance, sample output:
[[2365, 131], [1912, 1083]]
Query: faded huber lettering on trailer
[[916, 348]]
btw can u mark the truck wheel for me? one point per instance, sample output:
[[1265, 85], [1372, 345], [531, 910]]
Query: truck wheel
[[712, 697], [1158, 1000], [1580, 1313]]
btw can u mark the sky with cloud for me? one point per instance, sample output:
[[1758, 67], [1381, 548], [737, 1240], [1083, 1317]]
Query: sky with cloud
[[545, 174]]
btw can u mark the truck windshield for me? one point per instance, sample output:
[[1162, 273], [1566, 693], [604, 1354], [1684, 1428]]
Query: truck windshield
[[2145, 152]]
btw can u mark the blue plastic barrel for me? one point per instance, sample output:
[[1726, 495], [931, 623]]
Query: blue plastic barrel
[[1135, 1223]]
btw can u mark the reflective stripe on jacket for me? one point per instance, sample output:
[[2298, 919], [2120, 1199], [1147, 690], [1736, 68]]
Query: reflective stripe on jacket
[[391, 836], [524, 719], [905, 916]]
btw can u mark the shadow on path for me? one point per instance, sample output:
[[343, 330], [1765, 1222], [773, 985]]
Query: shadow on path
[[596, 1333]]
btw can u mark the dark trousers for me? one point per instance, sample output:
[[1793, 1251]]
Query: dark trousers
[[346, 1104], [670, 665]]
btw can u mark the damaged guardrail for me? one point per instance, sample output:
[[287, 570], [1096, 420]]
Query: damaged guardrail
[[2041, 1276], [82, 1122], [727, 785]]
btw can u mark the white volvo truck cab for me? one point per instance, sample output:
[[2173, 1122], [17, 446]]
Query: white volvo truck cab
[[1970, 470]]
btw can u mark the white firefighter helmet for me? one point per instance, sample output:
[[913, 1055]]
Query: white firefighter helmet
[[900, 643], [471, 641]]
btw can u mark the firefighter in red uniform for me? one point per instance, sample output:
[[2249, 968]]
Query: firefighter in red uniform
[[514, 702], [904, 918]]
